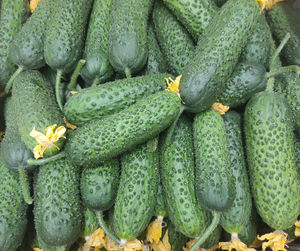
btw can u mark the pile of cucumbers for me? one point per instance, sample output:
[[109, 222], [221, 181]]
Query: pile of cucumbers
[[116, 117]]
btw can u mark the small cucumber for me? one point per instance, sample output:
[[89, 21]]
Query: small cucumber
[[137, 192], [57, 207], [97, 68], [176, 239], [99, 101], [128, 35], [217, 53], [177, 174], [175, 42]]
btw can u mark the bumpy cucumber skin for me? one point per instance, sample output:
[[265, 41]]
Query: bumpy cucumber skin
[[275, 183], [233, 219], [27, 48], [96, 46], [214, 182], [282, 19], [177, 173], [90, 223], [156, 62], [100, 101], [13, 14], [246, 80], [14, 153], [128, 34], [258, 49], [160, 204], [175, 42], [217, 53], [99, 185], [57, 206], [176, 239], [13, 209], [136, 196], [100, 140], [195, 15], [297, 149], [65, 35], [35, 106]]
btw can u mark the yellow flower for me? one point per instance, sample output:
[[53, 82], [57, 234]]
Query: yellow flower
[[236, 244], [73, 92], [47, 140], [37, 249], [154, 230], [222, 109], [33, 4], [69, 125], [173, 85], [96, 240], [268, 4], [276, 241], [297, 229], [133, 245]]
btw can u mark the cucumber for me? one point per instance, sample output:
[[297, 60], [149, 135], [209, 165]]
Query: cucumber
[[100, 101], [176, 239], [103, 139], [13, 14], [35, 107], [90, 223], [160, 205], [13, 219], [247, 79], [297, 148], [219, 3], [195, 15], [97, 68], [284, 18], [275, 183], [234, 219], [136, 194], [128, 35], [217, 53], [175, 42], [177, 174], [57, 207]]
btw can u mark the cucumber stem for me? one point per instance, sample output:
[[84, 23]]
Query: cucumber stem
[[278, 50], [290, 68], [25, 186], [96, 81], [209, 230], [127, 72], [57, 89], [12, 78], [74, 77], [38, 162], [173, 125], [102, 224]]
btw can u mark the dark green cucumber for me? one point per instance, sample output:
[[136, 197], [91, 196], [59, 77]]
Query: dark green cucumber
[[234, 219], [160, 205], [275, 183], [246, 80], [57, 207], [177, 174], [13, 219], [13, 14], [195, 15], [156, 62], [36, 107], [284, 18], [65, 34], [137, 192], [214, 182], [97, 68], [176, 239], [100, 140], [100, 101], [175, 42], [217, 53], [128, 35]]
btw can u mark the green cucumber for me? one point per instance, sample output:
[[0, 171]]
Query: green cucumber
[[57, 207], [90, 223], [160, 205], [176, 239], [99, 101], [284, 18], [219, 3], [36, 107], [13, 219], [177, 174], [13, 14], [97, 68], [217, 53], [103, 139], [233, 219], [128, 35], [175, 42], [297, 149], [274, 180], [136, 194], [195, 15]]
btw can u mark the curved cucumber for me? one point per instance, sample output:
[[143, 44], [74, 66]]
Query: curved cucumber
[[275, 183], [97, 67], [177, 174], [100, 101], [100, 140], [217, 53]]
